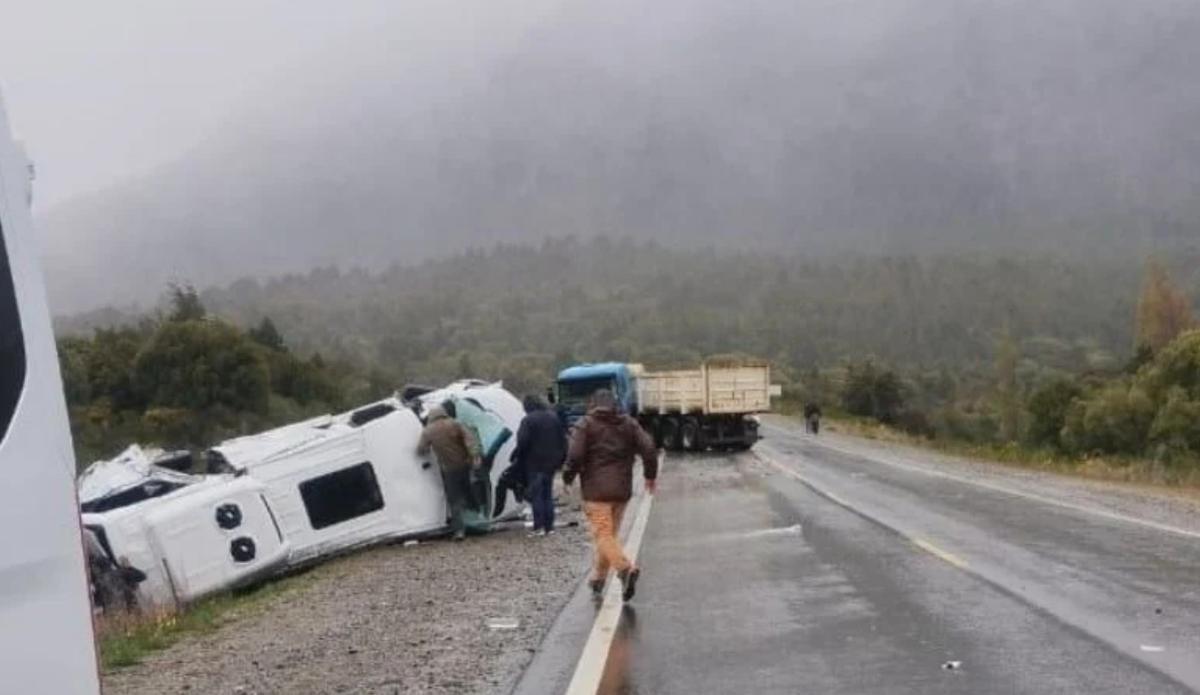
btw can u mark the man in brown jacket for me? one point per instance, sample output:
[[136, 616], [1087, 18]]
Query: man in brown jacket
[[602, 450], [457, 451]]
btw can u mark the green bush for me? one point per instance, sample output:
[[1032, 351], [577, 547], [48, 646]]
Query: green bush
[[1048, 406], [1115, 420], [201, 364], [1176, 427], [1177, 365], [873, 392]]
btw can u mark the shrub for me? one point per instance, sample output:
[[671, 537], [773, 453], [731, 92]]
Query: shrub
[[1114, 420], [1176, 427], [1048, 407], [873, 392]]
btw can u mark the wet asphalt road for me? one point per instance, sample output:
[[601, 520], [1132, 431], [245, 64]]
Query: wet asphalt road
[[801, 568]]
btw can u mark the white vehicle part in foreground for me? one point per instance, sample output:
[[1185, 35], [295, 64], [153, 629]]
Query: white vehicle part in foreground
[[126, 479], [46, 643], [214, 535]]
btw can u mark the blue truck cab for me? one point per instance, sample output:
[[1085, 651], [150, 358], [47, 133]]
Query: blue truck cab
[[576, 384]]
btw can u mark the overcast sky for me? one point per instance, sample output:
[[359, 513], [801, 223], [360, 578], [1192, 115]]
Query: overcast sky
[[101, 91], [229, 137]]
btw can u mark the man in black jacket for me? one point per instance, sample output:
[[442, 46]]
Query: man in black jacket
[[541, 449]]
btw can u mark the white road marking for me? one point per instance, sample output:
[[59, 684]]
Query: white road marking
[[793, 530], [590, 669], [781, 531], [1112, 516], [921, 543], [1105, 636], [940, 554]]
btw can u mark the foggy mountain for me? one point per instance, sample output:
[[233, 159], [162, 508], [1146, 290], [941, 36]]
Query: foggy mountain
[[822, 126]]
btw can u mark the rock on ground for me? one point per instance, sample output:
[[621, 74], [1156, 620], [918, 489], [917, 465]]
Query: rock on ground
[[393, 619]]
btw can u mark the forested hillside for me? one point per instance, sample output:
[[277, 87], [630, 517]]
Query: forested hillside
[[515, 310], [519, 312], [1054, 352], [883, 126]]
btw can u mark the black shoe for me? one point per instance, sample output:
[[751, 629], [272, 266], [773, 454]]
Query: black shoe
[[597, 586], [629, 582]]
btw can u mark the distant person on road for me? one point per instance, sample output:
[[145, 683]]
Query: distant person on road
[[456, 450], [602, 451], [812, 418], [541, 450]]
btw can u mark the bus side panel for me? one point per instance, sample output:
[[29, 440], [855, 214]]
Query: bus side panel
[[46, 639]]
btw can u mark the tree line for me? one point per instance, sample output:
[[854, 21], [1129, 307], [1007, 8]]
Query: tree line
[[954, 345], [1146, 407], [186, 378]]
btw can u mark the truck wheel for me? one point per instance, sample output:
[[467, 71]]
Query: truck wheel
[[689, 435], [670, 434], [654, 429]]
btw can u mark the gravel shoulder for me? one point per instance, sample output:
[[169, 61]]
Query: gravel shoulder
[[1179, 508], [393, 619]]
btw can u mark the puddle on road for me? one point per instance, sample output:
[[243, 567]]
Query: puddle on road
[[618, 670]]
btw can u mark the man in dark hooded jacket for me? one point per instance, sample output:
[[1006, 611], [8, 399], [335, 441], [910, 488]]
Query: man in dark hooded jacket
[[602, 451], [541, 449]]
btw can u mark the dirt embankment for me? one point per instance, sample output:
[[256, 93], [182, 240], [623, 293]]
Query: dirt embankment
[[390, 620]]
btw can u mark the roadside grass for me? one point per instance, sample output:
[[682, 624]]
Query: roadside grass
[[125, 639], [1138, 471]]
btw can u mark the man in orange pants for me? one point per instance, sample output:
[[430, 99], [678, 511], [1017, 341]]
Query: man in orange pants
[[603, 447]]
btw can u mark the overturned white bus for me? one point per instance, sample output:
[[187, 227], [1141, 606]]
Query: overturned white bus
[[290, 496]]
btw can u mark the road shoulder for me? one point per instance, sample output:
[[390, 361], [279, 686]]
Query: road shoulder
[[393, 619], [1154, 505]]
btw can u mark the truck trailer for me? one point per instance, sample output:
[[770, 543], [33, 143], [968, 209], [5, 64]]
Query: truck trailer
[[711, 407]]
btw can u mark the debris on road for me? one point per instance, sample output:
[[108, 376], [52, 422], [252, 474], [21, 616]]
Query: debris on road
[[1153, 648], [503, 623], [952, 666]]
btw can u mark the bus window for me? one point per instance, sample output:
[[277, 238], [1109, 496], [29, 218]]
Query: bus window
[[12, 343]]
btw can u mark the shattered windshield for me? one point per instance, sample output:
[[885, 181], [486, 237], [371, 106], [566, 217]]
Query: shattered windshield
[[12, 343]]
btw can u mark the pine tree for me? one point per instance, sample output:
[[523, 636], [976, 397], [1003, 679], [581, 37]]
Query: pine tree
[[1163, 311], [185, 303], [267, 335]]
